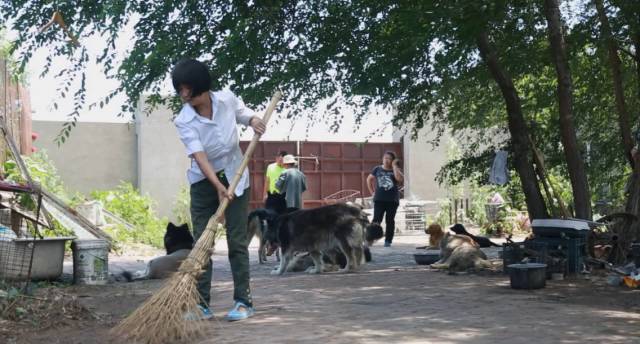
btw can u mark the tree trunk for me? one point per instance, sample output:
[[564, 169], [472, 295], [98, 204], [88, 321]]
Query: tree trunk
[[618, 88], [517, 128], [636, 45], [575, 164], [630, 233], [625, 232]]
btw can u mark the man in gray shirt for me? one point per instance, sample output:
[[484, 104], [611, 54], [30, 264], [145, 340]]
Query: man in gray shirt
[[292, 182]]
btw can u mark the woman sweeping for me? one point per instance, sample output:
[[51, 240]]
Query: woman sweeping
[[207, 125]]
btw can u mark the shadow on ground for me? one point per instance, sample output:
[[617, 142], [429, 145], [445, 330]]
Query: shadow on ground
[[391, 300]]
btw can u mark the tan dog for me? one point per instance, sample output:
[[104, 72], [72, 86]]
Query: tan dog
[[602, 251], [460, 253], [435, 235]]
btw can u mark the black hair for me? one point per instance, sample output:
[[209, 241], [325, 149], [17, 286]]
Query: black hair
[[392, 154], [192, 73], [282, 153]]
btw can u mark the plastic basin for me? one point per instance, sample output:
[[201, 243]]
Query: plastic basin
[[426, 258], [528, 276]]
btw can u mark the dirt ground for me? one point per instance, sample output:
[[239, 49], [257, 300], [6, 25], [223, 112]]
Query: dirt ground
[[392, 300]]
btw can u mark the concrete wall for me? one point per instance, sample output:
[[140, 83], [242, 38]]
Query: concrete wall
[[162, 161], [421, 164], [95, 156], [146, 153], [150, 155]]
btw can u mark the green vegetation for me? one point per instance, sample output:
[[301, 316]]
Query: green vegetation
[[126, 202]]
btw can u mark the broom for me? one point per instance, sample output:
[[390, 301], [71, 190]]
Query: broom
[[161, 318]]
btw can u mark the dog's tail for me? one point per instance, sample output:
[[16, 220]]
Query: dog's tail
[[482, 264], [128, 276], [373, 232], [133, 276]]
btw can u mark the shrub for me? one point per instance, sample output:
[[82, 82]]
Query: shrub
[[126, 202], [182, 207], [43, 172]]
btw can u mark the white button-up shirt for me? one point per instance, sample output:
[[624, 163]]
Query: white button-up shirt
[[217, 137]]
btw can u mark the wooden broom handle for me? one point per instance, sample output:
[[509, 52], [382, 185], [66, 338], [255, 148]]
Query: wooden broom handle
[[247, 155]]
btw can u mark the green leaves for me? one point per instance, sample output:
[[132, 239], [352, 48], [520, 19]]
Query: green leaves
[[127, 203], [420, 58]]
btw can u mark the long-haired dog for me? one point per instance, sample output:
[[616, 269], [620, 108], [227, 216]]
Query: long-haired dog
[[259, 220], [332, 260], [320, 230], [178, 243], [435, 235], [460, 253], [482, 241]]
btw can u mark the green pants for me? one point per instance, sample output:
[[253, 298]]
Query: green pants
[[204, 203]]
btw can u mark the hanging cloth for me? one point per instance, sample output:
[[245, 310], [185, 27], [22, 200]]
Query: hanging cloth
[[499, 174]]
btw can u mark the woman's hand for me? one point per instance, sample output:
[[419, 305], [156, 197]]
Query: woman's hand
[[222, 193], [258, 125], [397, 172]]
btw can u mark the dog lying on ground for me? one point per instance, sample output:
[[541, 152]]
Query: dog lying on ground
[[435, 235], [259, 220], [460, 253], [337, 226], [482, 241], [332, 259], [178, 243]]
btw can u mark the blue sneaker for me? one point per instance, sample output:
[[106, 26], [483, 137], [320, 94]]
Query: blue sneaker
[[387, 244], [237, 313], [201, 313]]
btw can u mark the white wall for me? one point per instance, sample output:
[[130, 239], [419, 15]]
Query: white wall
[[150, 155], [421, 164], [95, 156], [162, 162]]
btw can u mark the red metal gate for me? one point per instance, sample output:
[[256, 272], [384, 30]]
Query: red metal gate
[[329, 166]]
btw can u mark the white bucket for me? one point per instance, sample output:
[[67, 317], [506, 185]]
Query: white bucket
[[90, 261]]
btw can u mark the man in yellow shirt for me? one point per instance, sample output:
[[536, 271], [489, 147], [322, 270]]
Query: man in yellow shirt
[[274, 199]]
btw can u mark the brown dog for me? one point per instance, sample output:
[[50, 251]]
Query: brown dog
[[460, 253], [435, 235]]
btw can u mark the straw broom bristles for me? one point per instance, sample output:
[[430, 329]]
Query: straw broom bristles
[[161, 318]]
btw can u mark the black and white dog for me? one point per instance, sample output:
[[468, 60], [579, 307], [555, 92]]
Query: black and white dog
[[259, 221], [481, 241], [323, 229]]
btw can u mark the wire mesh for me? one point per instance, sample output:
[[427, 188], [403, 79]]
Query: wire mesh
[[16, 256]]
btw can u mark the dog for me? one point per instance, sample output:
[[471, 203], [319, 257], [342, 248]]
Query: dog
[[178, 243], [337, 226], [435, 235], [460, 253], [482, 241], [259, 220], [333, 260], [602, 251]]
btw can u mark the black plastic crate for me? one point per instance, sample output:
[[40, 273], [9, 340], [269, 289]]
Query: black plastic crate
[[556, 228], [515, 253], [572, 250]]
